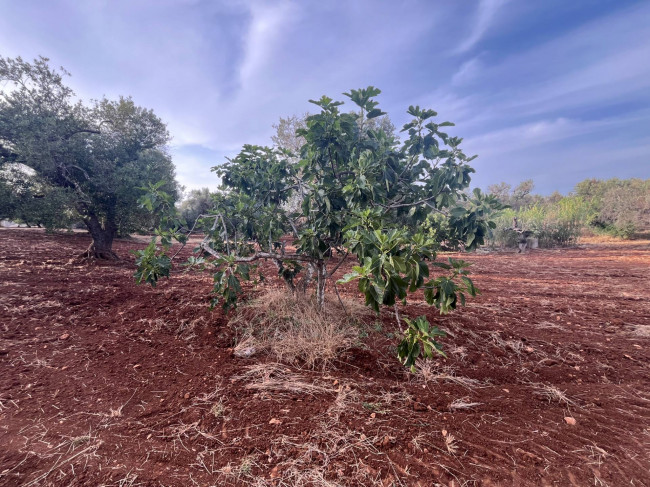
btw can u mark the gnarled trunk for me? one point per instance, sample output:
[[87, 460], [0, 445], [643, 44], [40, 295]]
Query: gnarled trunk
[[102, 235]]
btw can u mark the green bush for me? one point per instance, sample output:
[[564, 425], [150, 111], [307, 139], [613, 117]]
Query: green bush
[[617, 207], [553, 223]]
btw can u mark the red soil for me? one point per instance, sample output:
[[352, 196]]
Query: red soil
[[103, 382]]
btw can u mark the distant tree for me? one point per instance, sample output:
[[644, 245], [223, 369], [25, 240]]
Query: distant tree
[[383, 123], [522, 196], [101, 153], [501, 191], [519, 197], [285, 134], [197, 202]]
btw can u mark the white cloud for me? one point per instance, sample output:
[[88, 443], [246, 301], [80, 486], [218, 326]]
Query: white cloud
[[546, 131], [607, 79], [467, 72], [267, 23], [486, 11]]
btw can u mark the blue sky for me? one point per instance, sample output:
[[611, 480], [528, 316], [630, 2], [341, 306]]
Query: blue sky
[[556, 91]]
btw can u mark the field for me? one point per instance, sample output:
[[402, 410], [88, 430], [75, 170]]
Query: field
[[102, 382]]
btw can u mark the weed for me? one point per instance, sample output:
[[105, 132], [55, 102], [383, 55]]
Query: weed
[[218, 409]]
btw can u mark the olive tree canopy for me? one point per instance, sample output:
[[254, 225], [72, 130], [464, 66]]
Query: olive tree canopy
[[101, 152]]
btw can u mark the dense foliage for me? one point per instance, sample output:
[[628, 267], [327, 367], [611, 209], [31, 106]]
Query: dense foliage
[[26, 199], [99, 153], [195, 203], [363, 193], [618, 207]]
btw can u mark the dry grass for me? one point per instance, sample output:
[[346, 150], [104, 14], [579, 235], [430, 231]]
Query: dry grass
[[553, 394], [292, 329], [429, 371], [450, 442], [275, 377], [463, 403], [640, 331]]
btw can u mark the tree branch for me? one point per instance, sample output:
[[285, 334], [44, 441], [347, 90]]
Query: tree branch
[[260, 255], [347, 253]]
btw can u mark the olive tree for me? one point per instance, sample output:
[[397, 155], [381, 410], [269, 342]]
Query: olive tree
[[100, 153]]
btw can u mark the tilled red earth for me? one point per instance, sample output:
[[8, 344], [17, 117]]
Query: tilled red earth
[[102, 382]]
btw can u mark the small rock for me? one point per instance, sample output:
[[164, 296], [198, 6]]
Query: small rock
[[275, 421], [506, 390], [570, 420], [245, 352], [274, 472], [137, 366], [529, 350], [187, 395], [373, 415], [418, 406], [65, 336]]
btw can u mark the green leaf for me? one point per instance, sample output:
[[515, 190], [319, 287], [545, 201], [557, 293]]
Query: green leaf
[[375, 112]]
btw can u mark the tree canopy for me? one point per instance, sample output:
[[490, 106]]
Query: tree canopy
[[364, 193], [99, 152]]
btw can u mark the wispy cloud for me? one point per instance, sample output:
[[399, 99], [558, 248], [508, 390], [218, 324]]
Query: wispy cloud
[[468, 71], [485, 15], [528, 83], [268, 20]]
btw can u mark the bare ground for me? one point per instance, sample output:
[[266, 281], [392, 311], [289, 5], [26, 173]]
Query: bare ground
[[103, 382]]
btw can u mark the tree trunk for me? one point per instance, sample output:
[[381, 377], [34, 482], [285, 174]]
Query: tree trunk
[[102, 235], [321, 269], [306, 280]]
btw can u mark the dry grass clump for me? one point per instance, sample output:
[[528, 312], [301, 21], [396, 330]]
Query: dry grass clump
[[429, 371], [278, 378], [552, 394], [292, 329]]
